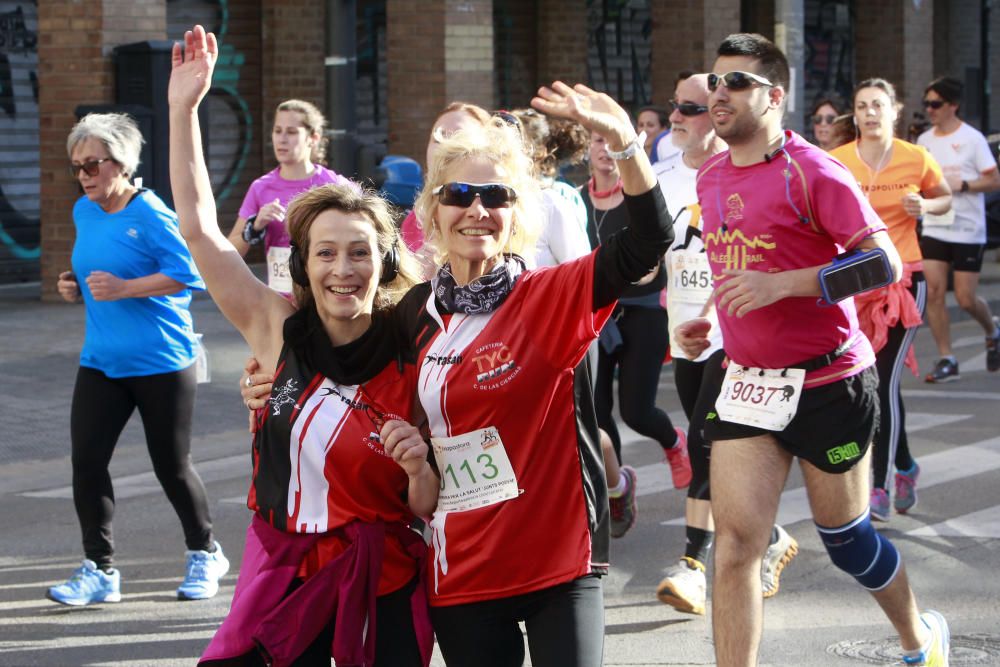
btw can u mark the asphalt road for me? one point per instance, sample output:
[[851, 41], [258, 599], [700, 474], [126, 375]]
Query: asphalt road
[[950, 541]]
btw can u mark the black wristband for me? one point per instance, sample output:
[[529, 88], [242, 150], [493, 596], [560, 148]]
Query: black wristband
[[965, 187], [251, 235]]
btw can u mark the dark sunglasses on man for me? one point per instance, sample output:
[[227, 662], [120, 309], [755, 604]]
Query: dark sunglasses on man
[[90, 167], [688, 108], [736, 80], [491, 195], [824, 119], [934, 104]]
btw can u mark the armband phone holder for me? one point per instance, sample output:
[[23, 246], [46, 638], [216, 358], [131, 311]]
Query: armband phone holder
[[854, 272]]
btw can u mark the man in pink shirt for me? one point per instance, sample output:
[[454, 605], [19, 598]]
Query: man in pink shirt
[[800, 381]]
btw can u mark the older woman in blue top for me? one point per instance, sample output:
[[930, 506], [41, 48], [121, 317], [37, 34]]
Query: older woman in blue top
[[135, 275]]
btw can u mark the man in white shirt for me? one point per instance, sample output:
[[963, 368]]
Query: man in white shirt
[[957, 241]]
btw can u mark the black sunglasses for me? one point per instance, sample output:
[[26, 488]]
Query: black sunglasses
[[492, 195], [736, 80], [824, 119], [688, 108], [90, 167], [934, 104]]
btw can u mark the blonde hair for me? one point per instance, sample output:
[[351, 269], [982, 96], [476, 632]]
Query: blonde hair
[[305, 208], [497, 143], [313, 121]]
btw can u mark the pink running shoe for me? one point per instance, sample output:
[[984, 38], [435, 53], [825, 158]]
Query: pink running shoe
[[906, 490], [680, 464]]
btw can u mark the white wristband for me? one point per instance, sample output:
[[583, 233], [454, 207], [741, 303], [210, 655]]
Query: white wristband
[[637, 144]]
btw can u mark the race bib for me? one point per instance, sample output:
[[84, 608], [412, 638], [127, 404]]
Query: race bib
[[278, 277], [475, 471], [943, 220], [690, 277], [764, 398]]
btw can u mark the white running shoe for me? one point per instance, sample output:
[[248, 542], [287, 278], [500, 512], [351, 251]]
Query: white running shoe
[[684, 587], [777, 556]]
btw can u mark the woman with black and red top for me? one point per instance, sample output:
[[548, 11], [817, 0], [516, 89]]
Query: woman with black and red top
[[634, 341], [338, 473], [520, 530]]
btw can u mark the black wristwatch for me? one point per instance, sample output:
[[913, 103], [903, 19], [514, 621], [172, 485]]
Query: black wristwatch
[[965, 187], [251, 235]]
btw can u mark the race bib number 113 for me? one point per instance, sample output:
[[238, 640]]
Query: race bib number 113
[[475, 471]]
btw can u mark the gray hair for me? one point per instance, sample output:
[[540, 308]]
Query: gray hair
[[117, 131]]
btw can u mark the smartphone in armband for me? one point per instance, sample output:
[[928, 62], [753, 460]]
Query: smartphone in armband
[[853, 273]]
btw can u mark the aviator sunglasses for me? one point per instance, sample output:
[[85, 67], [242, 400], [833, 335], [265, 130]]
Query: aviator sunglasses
[[688, 108], [90, 167], [824, 119], [492, 195], [934, 104], [736, 80]]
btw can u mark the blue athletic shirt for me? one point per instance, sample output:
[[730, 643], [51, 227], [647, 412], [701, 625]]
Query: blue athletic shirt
[[140, 336]]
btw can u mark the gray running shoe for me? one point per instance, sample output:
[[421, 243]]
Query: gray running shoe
[[993, 348], [684, 587], [777, 556], [945, 370], [624, 508]]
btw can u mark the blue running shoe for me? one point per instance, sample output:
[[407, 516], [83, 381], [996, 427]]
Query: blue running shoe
[[879, 504], [87, 585], [203, 573], [906, 489], [938, 650]]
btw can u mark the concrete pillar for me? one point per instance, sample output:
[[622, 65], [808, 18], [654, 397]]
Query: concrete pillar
[[789, 35]]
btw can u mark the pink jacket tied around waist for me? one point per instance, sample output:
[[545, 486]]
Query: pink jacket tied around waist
[[282, 627], [881, 309]]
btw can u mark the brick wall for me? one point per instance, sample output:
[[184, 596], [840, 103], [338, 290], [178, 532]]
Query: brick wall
[[562, 41], [918, 61], [74, 67], [877, 22], [515, 48], [416, 77], [685, 36]]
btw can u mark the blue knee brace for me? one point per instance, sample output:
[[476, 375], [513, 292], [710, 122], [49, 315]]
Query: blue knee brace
[[862, 552]]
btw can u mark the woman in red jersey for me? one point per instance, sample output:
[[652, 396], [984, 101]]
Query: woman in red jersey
[[330, 566], [520, 528]]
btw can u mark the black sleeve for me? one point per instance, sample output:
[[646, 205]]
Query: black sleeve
[[634, 251]]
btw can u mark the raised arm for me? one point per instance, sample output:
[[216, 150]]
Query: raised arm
[[631, 254], [251, 306]]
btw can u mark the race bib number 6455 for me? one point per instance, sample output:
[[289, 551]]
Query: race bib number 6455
[[764, 398]]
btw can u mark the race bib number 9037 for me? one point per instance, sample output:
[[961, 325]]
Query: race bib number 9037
[[764, 398]]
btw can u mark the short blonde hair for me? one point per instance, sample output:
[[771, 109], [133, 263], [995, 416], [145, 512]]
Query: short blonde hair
[[117, 131], [306, 207], [502, 145]]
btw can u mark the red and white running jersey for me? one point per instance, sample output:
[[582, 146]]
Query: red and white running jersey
[[318, 463], [512, 370]]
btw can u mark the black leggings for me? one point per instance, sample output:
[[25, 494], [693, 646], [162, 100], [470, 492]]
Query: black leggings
[[639, 360], [565, 625], [101, 408], [698, 385], [890, 441]]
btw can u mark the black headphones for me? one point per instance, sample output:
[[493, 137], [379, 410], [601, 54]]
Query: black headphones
[[390, 265]]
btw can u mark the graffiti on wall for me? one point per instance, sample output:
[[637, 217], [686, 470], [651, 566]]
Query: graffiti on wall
[[19, 168], [230, 130], [618, 49]]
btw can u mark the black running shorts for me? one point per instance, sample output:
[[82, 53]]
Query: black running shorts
[[961, 256], [832, 429]]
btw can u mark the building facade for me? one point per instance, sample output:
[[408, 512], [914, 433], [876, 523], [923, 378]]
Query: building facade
[[408, 59]]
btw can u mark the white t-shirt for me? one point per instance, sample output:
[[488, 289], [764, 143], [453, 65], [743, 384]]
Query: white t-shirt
[[677, 181], [963, 154], [561, 239]]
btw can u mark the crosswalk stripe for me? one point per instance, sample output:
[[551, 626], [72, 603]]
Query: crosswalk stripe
[[940, 468], [984, 523], [654, 478]]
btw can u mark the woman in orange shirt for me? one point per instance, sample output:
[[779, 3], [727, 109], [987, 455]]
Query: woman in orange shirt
[[903, 182]]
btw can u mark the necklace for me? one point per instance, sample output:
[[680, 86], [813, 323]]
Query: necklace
[[602, 194], [873, 175], [599, 220]]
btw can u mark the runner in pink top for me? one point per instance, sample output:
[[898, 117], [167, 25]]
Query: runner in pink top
[[299, 148], [795, 210]]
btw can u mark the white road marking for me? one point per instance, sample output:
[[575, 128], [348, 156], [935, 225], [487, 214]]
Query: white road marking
[[984, 523]]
